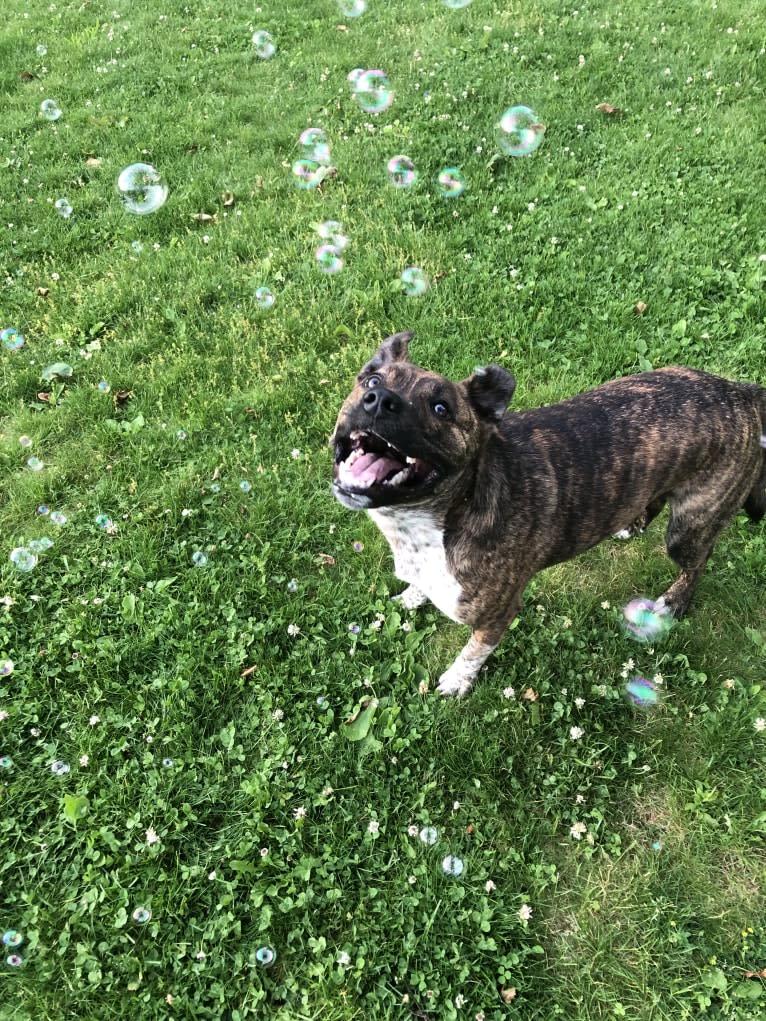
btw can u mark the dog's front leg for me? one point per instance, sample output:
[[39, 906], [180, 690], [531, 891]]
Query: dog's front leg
[[411, 598], [458, 680]]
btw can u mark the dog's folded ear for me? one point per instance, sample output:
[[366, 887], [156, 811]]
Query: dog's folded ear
[[393, 349], [489, 390]]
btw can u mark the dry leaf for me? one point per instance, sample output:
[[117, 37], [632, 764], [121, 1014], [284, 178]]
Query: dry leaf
[[607, 108], [43, 292], [249, 670], [469, 828], [641, 307], [122, 397], [44, 397], [342, 28], [508, 994], [324, 558], [755, 974], [204, 217], [216, 473], [228, 198], [530, 695], [191, 149]]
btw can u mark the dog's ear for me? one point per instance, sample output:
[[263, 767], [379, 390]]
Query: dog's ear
[[490, 390], [393, 349]]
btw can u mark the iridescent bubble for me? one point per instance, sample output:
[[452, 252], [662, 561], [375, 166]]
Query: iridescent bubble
[[329, 258], [358, 547], [141, 189], [332, 232], [167, 763], [429, 835], [646, 620], [59, 518], [35, 546], [315, 145], [6, 762], [265, 956], [137, 247], [306, 173], [519, 131], [60, 768], [642, 692], [456, 5], [354, 629], [414, 282], [6, 667], [35, 464], [141, 915], [215, 487], [373, 92], [452, 865], [245, 486], [198, 558], [50, 109], [181, 434], [63, 207], [264, 298], [451, 182], [292, 585], [25, 441], [11, 339], [263, 44], [23, 559], [354, 76], [104, 387], [12, 938], [43, 509], [42, 544], [41, 50], [322, 702], [103, 521], [352, 8], [401, 171], [14, 960]]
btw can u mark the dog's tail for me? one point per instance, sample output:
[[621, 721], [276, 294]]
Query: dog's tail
[[755, 505]]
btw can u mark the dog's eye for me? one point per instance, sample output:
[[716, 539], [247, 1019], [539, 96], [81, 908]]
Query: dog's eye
[[440, 409], [372, 381]]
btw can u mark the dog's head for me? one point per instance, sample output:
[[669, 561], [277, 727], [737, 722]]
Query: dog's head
[[404, 434]]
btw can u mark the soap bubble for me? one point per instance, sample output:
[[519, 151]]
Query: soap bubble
[[25, 441], [322, 702], [6, 762], [332, 232], [198, 558], [59, 518], [329, 258], [264, 298], [14, 960], [373, 92], [50, 109], [452, 865], [401, 171], [23, 559], [63, 208], [414, 282], [41, 50], [429, 835], [519, 131], [141, 915], [265, 956], [315, 145], [263, 44], [60, 768], [451, 182], [11, 339], [35, 464], [354, 76], [245, 486], [306, 173], [137, 247], [104, 521], [352, 8], [642, 692], [104, 387], [180, 434], [141, 189], [40, 545], [43, 509], [167, 763], [292, 585], [12, 938], [646, 619], [6, 667], [456, 5]]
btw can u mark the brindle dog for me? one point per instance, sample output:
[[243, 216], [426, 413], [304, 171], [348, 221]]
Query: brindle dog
[[474, 500]]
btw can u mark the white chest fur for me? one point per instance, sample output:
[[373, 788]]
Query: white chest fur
[[416, 538]]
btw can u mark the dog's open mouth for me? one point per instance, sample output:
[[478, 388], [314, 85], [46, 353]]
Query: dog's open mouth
[[372, 463]]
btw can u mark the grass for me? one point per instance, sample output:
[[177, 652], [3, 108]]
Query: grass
[[183, 698]]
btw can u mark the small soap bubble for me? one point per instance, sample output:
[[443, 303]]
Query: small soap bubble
[[332, 232], [263, 44], [452, 865], [6, 762], [264, 298], [401, 171], [429, 835], [12, 938], [358, 546], [292, 585], [141, 915], [656, 845], [265, 956], [456, 5], [141, 189], [414, 282], [14, 960], [306, 173], [315, 145], [329, 258], [103, 521], [519, 131], [40, 545], [167, 763], [215, 487], [60, 768], [43, 509], [352, 8], [137, 247], [25, 441], [50, 109], [63, 207], [451, 182], [322, 702], [353, 76], [23, 559], [41, 50], [198, 558], [645, 619], [181, 434], [373, 92], [245, 486], [11, 339], [642, 692], [6, 667], [104, 387], [35, 464], [354, 629], [59, 518]]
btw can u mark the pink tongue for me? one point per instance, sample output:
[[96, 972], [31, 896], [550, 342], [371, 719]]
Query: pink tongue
[[373, 467]]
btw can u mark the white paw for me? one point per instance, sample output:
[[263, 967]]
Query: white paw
[[411, 598], [624, 533], [458, 680]]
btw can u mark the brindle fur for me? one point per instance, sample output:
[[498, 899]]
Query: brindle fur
[[520, 491]]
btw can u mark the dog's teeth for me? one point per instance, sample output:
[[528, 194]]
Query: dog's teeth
[[397, 479], [410, 460]]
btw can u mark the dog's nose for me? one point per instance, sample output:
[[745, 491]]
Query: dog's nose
[[380, 401]]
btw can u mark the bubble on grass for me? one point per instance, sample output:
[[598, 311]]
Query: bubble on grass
[[104, 387], [141, 915], [6, 762], [43, 509], [646, 619], [292, 585], [414, 282], [60, 768], [50, 109], [12, 938], [245, 486], [11, 339], [14, 960], [59, 518], [642, 692], [215, 487], [181, 434], [519, 131], [25, 441], [315, 145], [265, 956], [40, 545], [167, 763], [353, 76], [6, 667], [329, 258], [452, 865], [263, 44], [456, 5], [451, 182], [358, 546], [354, 629], [41, 50], [306, 173], [332, 232], [137, 247], [264, 298], [429, 835], [373, 92], [63, 207], [198, 558], [35, 464], [352, 8], [322, 702], [401, 171], [103, 521], [656, 845], [141, 188], [23, 559]]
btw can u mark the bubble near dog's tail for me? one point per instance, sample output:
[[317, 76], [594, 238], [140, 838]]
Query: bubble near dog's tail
[[755, 505]]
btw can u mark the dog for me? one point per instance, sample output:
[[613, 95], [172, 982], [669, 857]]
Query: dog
[[475, 500]]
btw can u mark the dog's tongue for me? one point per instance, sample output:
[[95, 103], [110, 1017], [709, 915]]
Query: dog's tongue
[[373, 467]]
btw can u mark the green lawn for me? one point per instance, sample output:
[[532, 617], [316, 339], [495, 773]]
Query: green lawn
[[204, 704]]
